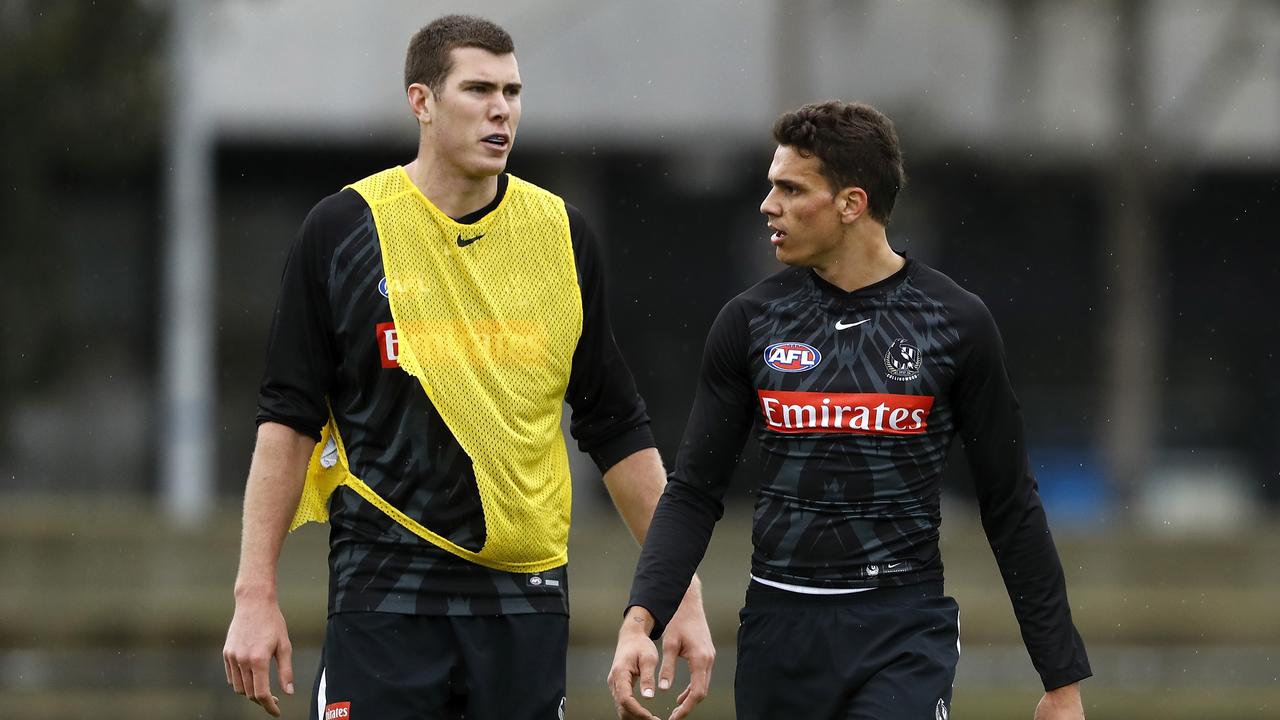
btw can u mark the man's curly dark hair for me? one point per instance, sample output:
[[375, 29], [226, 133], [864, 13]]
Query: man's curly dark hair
[[856, 144]]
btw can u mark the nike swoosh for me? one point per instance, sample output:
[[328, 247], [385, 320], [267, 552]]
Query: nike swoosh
[[468, 241], [891, 566], [842, 326]]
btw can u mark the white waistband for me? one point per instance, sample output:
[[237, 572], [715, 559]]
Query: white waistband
[[809, 590]]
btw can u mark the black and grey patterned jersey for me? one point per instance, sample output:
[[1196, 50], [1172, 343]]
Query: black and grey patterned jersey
[[333, 345], [855, 398]]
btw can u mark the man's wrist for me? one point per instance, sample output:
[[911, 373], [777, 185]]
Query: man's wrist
[[638, 619], [255, 591], [1065, 694]]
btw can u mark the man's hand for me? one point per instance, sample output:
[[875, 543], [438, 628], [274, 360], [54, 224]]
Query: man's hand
[[257, 631], [1061, 704], [258, 634], [635, 484], [636, 657], [687, 636]]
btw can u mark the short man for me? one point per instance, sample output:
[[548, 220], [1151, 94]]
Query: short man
[[432, 320], [858, 366]]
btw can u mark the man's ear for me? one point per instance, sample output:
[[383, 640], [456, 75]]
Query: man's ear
[[852, 203], [420, 101]]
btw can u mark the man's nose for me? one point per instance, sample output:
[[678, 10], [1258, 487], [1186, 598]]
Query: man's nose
[[769, 205], [500, 109]]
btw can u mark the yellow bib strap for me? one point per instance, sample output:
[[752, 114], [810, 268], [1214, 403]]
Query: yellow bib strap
[[326, 470]]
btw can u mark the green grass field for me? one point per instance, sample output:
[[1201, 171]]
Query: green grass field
[[106, 613]]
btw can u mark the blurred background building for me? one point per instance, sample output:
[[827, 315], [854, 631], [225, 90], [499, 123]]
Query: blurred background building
[[1103, 173]]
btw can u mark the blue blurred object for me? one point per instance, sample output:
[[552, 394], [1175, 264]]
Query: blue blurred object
[[1072, 486]]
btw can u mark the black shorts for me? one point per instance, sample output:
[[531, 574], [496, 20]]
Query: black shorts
[[882, 654], [384, 666]]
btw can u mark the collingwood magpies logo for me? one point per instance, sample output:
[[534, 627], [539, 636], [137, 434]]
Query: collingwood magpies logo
[[903, 360]]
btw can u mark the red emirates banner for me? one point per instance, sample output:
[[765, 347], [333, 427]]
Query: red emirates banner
[[388, 344], [859, 413]]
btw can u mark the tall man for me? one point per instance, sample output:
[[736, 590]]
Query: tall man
[[858, 366], [432, 320]]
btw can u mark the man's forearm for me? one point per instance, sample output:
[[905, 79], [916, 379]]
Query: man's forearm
[[271, 495], [635, 484]]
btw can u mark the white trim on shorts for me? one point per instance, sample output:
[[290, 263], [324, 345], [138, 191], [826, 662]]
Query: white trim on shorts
[[320, 698]]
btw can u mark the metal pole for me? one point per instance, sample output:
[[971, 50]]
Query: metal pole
[[1134, 334], [186, 437], [794, 25]]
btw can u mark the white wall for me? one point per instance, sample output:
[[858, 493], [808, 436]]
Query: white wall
[[716, 72]]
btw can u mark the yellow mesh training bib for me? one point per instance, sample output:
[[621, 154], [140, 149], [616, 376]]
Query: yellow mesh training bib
[[488, 316]]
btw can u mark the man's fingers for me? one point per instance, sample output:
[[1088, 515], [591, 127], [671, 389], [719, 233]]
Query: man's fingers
[[699, 677], [284, 662], [262, 688], [620, 682], [699, 683], [689, 699], [648, 663], [667, 674], [237, 678], [630, 709]]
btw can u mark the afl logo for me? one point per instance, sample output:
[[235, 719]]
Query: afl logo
[[535, 580], [792, 357], [903, 360], [382, 288]]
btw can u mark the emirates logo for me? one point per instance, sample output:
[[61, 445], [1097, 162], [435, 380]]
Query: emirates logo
[[864, 413]]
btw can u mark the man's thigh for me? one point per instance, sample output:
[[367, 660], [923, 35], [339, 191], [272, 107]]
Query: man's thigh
[[867, 659], [916, 670], [386, 666], [514, 665]]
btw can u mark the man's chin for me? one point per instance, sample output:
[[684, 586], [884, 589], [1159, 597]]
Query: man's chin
[[486, 171], [787, 258], [488, 167]]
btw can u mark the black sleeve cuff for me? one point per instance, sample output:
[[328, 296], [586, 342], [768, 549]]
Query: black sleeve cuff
[[302, 425], [616, 449], [1062, 678]]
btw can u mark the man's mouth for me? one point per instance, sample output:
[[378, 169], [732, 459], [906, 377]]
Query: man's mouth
[[497, 140], [778, 235]]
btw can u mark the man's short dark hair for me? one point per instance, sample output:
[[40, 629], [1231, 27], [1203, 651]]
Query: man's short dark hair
[[429, 58], [856, 144]]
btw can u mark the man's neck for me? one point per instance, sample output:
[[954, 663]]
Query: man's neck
[[456, 195], [864, 258]]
